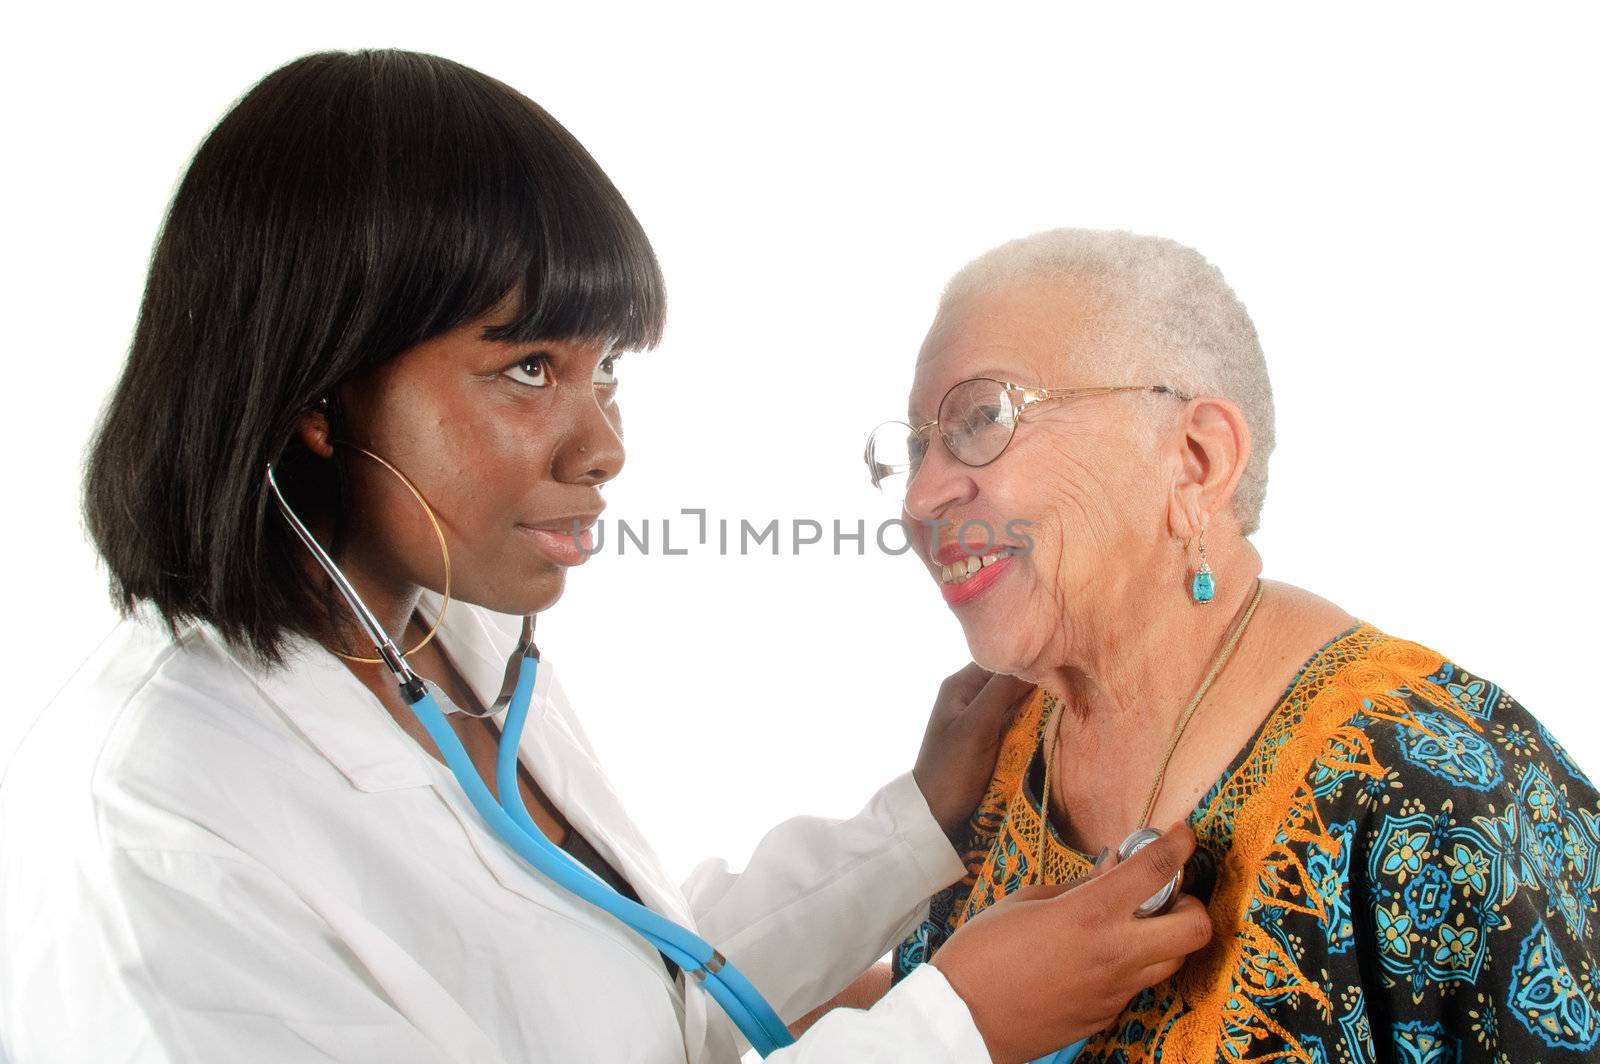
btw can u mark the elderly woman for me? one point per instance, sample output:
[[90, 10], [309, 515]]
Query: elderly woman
[[1404, 864]]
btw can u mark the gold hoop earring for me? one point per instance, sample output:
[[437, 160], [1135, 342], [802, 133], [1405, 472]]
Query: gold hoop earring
[[444, 550]]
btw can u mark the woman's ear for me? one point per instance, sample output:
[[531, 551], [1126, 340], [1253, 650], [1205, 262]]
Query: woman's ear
[[1214, 444], [312, 430]]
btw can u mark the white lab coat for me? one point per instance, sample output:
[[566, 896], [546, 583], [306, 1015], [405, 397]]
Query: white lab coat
[[202, 860]]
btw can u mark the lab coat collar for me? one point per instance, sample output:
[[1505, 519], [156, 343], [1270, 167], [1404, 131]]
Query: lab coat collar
[[348, 726]]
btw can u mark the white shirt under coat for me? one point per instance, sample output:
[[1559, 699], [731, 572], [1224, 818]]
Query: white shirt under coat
[[203, 860]]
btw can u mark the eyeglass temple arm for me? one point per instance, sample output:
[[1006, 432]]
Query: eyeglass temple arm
[[1106, 389], [1039, 395], [391, 655]]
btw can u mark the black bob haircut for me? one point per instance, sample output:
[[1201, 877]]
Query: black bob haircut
[[348, 207]]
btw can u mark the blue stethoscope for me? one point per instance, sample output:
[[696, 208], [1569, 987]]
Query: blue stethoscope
[[508, 817]]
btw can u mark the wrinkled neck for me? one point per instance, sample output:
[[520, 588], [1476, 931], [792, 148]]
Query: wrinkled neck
[[1133, 666]]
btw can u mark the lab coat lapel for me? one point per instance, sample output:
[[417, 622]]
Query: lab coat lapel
[[336, 714], [555, 751], [551, 763]]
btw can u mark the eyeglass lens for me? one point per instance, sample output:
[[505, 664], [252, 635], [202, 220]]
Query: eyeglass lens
[[976, 420]]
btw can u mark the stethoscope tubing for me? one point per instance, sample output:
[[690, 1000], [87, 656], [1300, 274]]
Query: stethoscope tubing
[[509, 820]]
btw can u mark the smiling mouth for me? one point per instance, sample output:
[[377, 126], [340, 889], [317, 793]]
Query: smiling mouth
[[961, 571]]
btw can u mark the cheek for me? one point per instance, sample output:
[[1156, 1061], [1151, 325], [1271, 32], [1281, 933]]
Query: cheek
[[1055, 502], [425, 431], [1095, 492], [386, 529], [481, 486], [483, 474], [472, 476], [1085, 510]]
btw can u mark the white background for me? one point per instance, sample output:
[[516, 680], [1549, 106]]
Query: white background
[[1404, 197]]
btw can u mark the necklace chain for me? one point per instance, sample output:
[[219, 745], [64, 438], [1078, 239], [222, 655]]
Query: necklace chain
[[1235, 633]]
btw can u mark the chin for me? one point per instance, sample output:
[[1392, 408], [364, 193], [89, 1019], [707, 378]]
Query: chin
[[996, 655], [534, 595], [548, 594]]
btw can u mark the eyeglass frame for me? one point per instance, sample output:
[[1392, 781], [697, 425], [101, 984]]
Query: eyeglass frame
[[1031, 396]]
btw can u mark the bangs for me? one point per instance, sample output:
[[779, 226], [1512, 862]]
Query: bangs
[[583, 272], [505, 203]]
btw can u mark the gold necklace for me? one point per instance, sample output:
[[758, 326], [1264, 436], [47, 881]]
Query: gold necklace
[[1235, 633]]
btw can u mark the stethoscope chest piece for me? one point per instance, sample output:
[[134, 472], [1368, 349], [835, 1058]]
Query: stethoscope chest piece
[[1161, 900]]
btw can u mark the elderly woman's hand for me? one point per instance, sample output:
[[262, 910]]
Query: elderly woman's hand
[[962, 741]]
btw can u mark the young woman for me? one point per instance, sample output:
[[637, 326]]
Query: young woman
[[406, 288]]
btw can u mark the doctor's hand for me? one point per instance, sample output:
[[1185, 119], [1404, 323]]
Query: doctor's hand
[[962, 742], [1049, 965]]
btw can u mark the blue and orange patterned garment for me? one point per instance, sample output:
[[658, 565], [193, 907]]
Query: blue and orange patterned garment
[[1407, 869]]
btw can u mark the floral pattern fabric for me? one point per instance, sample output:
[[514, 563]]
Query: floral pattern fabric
[[1407, 868]]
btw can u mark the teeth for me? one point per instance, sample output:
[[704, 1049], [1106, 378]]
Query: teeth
[[959, 572]]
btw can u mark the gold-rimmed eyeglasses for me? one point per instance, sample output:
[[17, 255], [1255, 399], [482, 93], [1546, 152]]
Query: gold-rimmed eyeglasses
[[977, 419]]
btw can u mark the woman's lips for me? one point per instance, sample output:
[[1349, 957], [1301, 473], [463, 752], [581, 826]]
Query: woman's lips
[[974, 585], [563, 548]]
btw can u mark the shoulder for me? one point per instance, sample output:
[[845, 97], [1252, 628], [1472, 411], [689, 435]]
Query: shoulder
[[1449, 780], [1473, 835], [136, 664], [1370, 699], [1449, 730], [151, 721]]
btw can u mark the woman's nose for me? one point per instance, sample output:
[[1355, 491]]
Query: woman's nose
[[938, 483], [592, 451]]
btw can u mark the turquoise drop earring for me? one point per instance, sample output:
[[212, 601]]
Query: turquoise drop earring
[[1203, 586]]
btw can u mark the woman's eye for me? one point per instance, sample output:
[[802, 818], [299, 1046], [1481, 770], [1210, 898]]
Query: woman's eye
[[533, 371], [605, 374]]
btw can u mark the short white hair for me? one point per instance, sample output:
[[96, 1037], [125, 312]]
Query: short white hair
[[1167, 309]]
